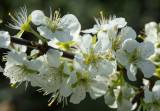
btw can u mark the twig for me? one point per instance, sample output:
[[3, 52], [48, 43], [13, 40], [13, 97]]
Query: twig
[[43, 48]]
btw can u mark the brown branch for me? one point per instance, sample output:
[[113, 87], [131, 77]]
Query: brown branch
[[43, 48]]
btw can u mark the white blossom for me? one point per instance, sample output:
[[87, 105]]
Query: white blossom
[[134, 55], [19, 69], [20, 21], [90, 57], [95, 87], [64, 29]]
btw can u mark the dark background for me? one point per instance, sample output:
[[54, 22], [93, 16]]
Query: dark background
[[136, 13]]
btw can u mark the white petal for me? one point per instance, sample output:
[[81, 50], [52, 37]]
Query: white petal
[[131, 72], [128, 32], [37, 80], [4, 39], [102, 45], [93, 30], [147, 67], [147, 49], [72, 24], [62, 36], [18, 57], [86, 44], [35, 64], [125, 105], [118, 21], [53, 58], [122, 57], [1, 69], [78, 95], [38, 17], [19, 48], [126, 91], [106, 67], [53, 42], [130, 45], [147, 95], [45, 32], [156, 90], [102, 35], [93, 71], [97, 88], [65, 88], [109, 99]]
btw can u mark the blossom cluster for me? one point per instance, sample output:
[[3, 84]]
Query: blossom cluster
[[103, 56]]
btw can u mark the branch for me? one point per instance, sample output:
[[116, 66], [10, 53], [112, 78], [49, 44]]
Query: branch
[[43, 48]]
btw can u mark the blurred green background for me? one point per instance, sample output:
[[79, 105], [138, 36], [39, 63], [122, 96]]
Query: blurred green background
[[136, 13]]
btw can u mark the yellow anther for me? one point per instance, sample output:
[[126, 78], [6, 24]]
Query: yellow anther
[[3, 59], [140, 51], [57, 13], [120, 37], [50, 104], [139, 36], [11, 16], [101, 12], [12, 85]]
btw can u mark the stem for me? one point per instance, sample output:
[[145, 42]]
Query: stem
[[43, 48], [36, 34]]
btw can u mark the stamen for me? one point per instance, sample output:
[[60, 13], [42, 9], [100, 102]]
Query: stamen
[[57, 13], [50, 104], [12, 85], [3, 59], [11, 16], [120, 37], [140, 51], [141, 37], [101, 12]]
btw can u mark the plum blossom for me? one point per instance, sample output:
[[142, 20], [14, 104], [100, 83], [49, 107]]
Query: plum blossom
[[134, 55], [92, 58], [19, 69], [64, 29]]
